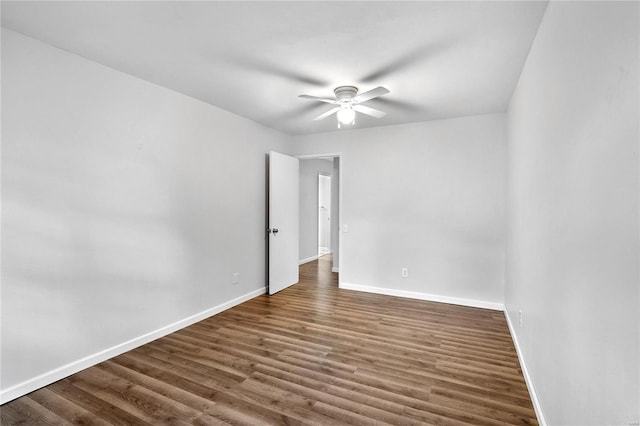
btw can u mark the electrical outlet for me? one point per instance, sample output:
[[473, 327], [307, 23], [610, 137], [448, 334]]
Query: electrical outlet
[[236, 278], [345, 228], [405, 272], [520, 318]]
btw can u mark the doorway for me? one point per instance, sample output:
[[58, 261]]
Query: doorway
[[313, 242], [324, 214]]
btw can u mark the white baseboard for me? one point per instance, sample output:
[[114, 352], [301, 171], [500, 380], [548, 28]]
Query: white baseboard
[[307, 260], [335, 269], [525, 372], [424, 296], [49, 377]]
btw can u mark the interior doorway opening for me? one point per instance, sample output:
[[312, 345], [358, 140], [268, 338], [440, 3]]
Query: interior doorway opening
[[324, 214], [314, 242]]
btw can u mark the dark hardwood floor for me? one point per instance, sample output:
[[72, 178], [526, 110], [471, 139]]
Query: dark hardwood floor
[[311, 354]]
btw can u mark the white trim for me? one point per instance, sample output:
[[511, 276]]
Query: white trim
[[525, 372], [315, 156], [335, 269], [307, 260], [49, 377], [424, 296]]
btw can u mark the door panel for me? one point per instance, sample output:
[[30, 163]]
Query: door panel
[[283, 221]]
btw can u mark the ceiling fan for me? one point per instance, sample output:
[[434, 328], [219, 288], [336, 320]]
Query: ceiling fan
[[349, 102]]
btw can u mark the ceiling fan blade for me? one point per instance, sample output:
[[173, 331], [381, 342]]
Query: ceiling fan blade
[[373, 93], [369, 111], [328, 113], [315, 98], [388, 103]]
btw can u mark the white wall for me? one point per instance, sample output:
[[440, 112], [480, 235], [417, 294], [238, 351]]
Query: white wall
[[125, 207], [426, 196], [573, 214], [309, 169]]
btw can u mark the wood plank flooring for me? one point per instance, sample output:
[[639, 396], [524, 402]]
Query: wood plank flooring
[[311, 354]]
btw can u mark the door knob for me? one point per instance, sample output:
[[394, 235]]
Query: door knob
[[274, 230]]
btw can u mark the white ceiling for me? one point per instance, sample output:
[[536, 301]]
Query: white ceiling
[[438, 59]]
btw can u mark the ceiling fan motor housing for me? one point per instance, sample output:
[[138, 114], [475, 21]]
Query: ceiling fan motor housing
[[345, 94]]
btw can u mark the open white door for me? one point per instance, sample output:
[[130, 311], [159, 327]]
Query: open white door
[[283, 221]]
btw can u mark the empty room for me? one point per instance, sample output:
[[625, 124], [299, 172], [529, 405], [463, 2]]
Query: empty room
[[323, 213]]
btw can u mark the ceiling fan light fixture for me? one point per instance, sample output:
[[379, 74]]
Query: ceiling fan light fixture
[[346, 115]]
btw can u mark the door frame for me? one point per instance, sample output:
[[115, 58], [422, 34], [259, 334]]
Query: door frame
[[340, 186]]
